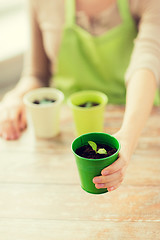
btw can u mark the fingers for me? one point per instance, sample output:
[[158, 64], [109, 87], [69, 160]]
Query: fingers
[[113, 187], [114, 167], [9, 125], [12, 122], [22, 121], [9, 131], [110, 181], [109, 178], [112, 176], [110, 186]]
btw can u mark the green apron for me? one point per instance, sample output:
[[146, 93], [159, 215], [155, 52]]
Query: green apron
[[95, 62]]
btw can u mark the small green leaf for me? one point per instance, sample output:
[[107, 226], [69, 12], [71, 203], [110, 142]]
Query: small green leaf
[[44, 101], [93, 145], [102, 151], [88, 104]]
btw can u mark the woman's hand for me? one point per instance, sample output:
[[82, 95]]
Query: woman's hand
[[12, 117], [113, 175]]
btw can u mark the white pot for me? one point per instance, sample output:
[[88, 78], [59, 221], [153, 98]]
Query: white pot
[[44, 117]]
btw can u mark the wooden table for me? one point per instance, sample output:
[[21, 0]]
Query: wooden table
[[41, 198]]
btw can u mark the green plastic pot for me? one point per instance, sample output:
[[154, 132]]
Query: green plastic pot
[[89, 119], [90, 168]]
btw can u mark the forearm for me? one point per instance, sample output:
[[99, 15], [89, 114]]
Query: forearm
[[139, 101], [25, 85]]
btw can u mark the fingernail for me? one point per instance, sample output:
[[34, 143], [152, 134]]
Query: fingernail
[[12, 137], [105, 172], [96, 180], [110, 189], [100, 185]]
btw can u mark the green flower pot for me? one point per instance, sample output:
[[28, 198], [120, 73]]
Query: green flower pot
[[90, 119], [90, 168]]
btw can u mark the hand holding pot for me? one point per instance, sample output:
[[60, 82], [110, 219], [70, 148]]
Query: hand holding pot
[[113, 175], [91, 166]]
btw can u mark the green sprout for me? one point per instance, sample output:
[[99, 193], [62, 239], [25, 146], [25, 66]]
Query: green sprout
[[94, 147], [88, 104]]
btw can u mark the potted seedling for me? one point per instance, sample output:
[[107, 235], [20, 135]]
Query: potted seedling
[[93, 152], [88, 109], [43, 106]]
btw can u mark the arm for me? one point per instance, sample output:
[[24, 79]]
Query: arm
[[139, 101], [36, 74], [142, 77], [140, 95], [36, 70]]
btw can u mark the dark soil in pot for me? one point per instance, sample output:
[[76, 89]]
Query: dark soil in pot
[[44, 101], [88, 104], [87, 152]]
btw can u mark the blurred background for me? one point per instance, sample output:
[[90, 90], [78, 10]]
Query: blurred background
[[13, 41]]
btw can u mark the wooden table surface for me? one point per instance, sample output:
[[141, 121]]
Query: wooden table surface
[[41, 198]]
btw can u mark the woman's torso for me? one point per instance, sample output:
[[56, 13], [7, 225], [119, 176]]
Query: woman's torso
[[95, 20], [47, 24]]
